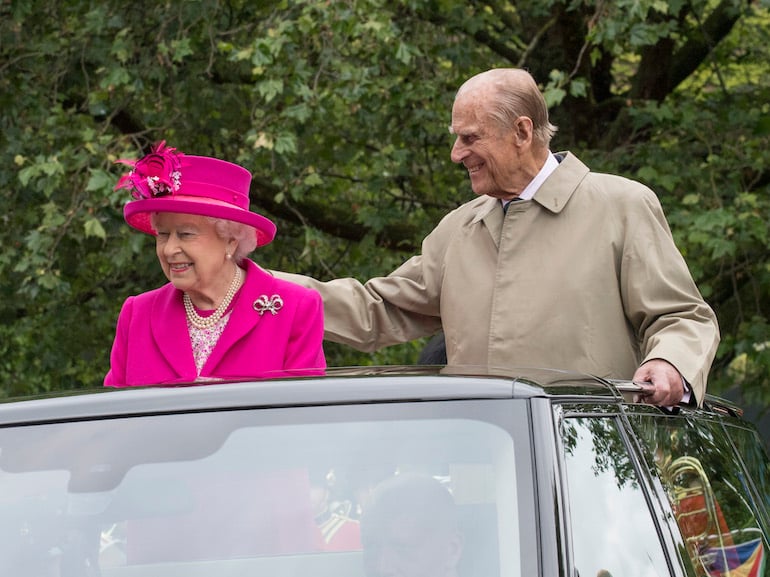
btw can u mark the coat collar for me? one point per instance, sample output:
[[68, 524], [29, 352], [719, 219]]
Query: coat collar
[[244, 317], [553, 195], [169, 323], [559, 187]]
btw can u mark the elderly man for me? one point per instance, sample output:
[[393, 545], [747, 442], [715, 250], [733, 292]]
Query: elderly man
[[552, 265]]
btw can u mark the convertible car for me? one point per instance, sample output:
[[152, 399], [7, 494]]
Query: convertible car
[[536, 473]]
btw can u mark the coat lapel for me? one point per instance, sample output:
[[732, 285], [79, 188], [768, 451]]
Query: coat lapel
[[553, 195], [490, 211], [169, 330], [243, 318], [558, 188]]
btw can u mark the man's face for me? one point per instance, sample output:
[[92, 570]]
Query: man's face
[[403, 547], [487, 152]]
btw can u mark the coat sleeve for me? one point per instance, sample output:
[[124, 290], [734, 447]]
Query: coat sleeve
[[662, 301], [384, 311], [116, 376]]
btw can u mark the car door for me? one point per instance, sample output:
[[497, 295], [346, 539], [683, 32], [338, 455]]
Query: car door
[[615, 518], [713, 472]]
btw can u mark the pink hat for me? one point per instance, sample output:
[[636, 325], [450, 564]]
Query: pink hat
[[168, 181]]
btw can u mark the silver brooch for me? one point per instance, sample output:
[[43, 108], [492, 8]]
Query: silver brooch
[[264, 304]]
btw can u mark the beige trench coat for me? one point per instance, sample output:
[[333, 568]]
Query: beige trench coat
[[585, 276]]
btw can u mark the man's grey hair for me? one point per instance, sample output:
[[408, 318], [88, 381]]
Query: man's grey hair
[[517, 94]]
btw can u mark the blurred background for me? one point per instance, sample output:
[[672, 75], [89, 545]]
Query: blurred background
[[340, 110]]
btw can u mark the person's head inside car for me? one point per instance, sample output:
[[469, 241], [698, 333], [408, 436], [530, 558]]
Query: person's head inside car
[[409, 529]]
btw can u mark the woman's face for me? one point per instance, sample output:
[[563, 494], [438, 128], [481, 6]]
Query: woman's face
[[193, 257]]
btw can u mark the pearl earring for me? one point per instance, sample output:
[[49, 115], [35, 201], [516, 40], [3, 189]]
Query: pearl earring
[[228, 255]]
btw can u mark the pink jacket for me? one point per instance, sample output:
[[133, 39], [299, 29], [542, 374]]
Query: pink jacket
[[152, 344]]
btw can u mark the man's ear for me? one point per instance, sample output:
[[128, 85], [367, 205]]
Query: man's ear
[[523, 129]]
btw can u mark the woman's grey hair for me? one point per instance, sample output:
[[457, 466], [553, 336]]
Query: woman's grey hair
[[245, 235], [517, 94]]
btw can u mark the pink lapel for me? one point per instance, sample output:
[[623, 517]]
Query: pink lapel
[[243, 319], [169, 330]]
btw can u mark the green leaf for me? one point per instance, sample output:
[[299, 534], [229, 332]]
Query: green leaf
[[99, 180], [94, 228], [403, 53], [181, 49], [313, 179], [285, 143], [270, 89], [26, 174]]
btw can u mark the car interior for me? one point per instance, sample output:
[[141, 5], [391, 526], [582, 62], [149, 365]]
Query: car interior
[[227, 494]]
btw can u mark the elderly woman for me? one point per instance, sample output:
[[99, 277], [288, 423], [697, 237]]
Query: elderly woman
[[221, 316]]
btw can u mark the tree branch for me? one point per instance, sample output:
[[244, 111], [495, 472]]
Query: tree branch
[[663, 67], [331, 220]]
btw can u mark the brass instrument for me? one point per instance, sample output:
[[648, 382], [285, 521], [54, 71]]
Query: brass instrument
[[697, 513]]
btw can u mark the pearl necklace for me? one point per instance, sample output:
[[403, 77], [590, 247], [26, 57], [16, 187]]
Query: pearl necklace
[[200, 322]]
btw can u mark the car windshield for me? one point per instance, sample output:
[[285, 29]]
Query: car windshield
[[330, 490]]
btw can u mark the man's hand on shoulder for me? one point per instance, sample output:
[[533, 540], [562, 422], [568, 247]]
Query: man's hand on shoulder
[[665, 381]]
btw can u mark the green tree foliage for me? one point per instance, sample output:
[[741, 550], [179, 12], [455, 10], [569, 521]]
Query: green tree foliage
[[340, 109]]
